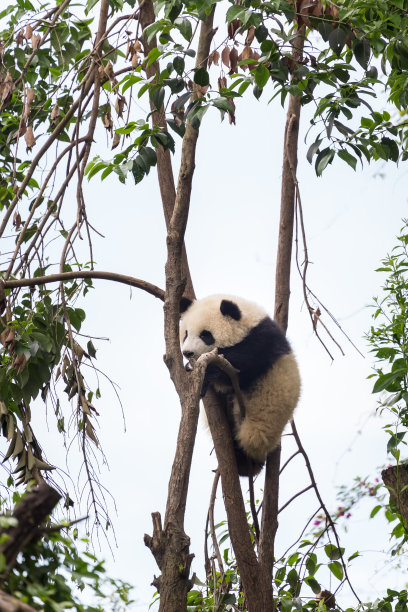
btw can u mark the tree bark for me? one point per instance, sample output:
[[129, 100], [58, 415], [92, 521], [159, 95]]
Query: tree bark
[[164, 166], [395, 479], [170, 545], [269, 524], [30, 514]]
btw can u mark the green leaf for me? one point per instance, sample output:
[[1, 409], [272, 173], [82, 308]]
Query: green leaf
[[324, 158], [235, 12], [261, 76], [325, 29], [314, 585], [375, 510], [138, 172], [149, 156], [261, 33], [336, 569], [353, 556], [333, 552], [223, 104], [292, 578], [158, 97], [337, 40], [152, 30], [201, 77], [313, 149], [362, 52], [280, 574], [178, 64], [348, 158], [180, 129], [386, 382], [184, 26], [256, 91]]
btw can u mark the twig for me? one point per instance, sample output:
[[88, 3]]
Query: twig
[[212, 526], [322, 504], [294, 497]]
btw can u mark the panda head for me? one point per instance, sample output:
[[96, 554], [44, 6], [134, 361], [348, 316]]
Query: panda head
[[218, 321]]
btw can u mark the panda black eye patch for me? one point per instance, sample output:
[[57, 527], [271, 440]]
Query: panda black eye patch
[[185, 335], [207, 337]]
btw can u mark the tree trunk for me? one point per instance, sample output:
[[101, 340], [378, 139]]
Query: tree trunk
[[269, 524]]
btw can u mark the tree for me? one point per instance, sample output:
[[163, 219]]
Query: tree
[[57, 79]]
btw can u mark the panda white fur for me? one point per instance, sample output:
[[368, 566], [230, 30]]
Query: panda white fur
[[268, 374]]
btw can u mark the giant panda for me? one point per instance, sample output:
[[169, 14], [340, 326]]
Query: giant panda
[[268, 373]]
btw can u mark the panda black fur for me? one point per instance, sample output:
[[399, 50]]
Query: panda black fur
[[268, 374]]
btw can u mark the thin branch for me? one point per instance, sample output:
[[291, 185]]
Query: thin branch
[[92, 274], [288, 461], [294, 497], [212, 526], [253, 507], [322, 504]]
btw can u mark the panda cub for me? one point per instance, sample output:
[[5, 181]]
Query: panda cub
[[268, 374]]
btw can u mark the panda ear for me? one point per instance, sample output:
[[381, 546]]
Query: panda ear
[[230, 309], [185, 303]]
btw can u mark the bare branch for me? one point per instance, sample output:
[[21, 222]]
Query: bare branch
[[92, 274]]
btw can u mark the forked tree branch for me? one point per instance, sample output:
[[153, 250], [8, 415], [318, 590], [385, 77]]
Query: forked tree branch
[[170, 545]]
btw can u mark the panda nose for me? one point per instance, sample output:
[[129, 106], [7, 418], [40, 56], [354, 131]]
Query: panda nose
[[188, 354]]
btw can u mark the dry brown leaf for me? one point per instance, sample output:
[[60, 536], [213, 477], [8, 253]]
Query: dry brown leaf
[[120, 105], [250, 35], [15, 186], [7, 88], [107, 121], [84, 405], [1, 50], [22, 129], [109, 71], [202, 89], [225, 57], [116, 140], [90, 431], [255, 55], [135, 60], [233, 27], [28, 32], [30, 95], [35, 41], [328, 598], [4, 335], [231, 113], [25, 115], [19, 363], [246, 53], [55, 114], [29, 138], [222, 82], [137, 47], [17, 220], [102, 75], [234, 60], [213, 58], [20, 37]]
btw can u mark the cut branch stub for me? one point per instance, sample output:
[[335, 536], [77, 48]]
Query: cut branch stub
[[395, 479], [30, 514]]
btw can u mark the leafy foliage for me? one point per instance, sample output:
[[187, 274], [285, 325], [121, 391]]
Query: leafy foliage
[[54, 575]]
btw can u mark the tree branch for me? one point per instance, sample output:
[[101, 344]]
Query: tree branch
[[92, 274]]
